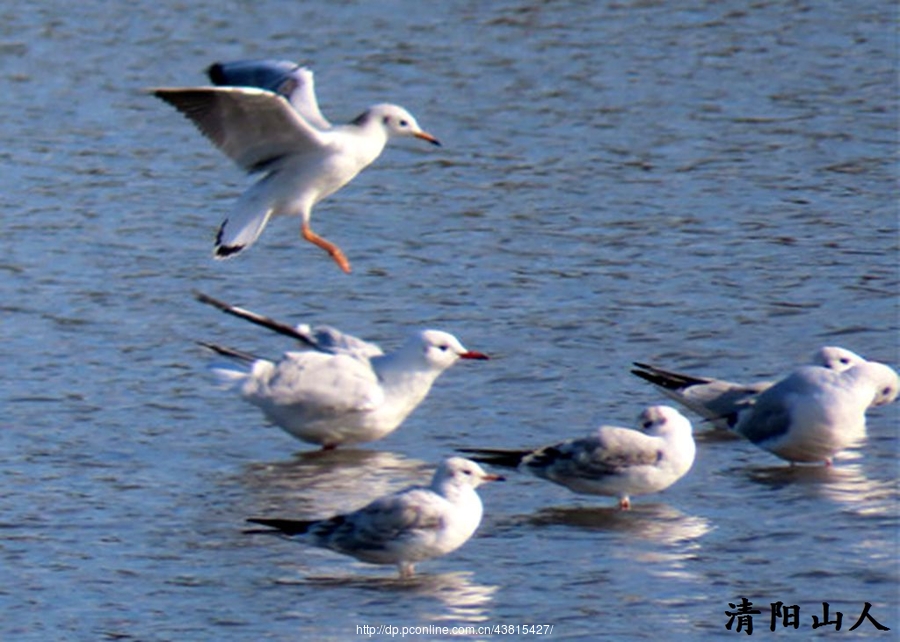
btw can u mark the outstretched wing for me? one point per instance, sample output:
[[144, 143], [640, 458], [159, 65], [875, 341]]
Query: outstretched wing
[[323, 338], [285, 78], [253, 127]]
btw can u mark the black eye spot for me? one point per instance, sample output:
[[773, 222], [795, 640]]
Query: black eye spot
[[647, 424], [845, 360], [404, 123], [444, 348]]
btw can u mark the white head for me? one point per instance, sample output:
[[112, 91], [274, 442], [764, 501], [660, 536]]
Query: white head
[[439, 350], [396, 121], [658, 421], [884, 380], [461, 472], [835, 358]]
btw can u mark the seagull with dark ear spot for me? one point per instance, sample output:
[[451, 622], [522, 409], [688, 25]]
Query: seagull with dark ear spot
[[405, 528], [612, 461], [265, 117]]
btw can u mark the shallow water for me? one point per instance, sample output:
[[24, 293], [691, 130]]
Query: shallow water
[[710, 187]]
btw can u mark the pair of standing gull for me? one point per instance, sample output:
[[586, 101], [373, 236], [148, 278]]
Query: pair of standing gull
[[346, 390]]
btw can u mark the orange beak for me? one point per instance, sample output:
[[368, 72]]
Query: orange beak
[[471, 354], [426, 136]]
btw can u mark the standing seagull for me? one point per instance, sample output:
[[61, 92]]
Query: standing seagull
[[617, 462], [815, 412], [339, 392], [720, 401], [301, 156], [413, 525]]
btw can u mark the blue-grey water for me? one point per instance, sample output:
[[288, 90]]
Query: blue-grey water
[[710, 186]]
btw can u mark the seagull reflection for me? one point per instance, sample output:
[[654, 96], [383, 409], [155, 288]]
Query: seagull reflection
[[662, 539], [462, 599], [327, 482], [654, 522], [845, 485]]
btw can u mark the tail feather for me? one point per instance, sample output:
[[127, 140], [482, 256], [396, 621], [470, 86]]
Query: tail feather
[[496, 456], [228, 376], [282, 526], [665, 378], [246, 222]]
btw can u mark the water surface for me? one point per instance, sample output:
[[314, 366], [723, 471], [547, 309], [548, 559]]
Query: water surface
[[710, 187]]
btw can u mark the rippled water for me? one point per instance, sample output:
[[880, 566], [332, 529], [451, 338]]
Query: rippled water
[[710, 186]]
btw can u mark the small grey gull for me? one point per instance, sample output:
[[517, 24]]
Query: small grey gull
[[613, 461], [405, 528]]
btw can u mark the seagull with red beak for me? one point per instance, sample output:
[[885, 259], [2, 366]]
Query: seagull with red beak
[[343, 390]]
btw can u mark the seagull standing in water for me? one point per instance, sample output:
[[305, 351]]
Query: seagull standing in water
[[343, 390], [613, 461], [411, 526], [263, 114], [816, 412], [721, 402]]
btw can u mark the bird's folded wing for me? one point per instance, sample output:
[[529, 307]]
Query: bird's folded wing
[[608, 452], [323, 384], [388, 519], [769, 418], [667, 378]]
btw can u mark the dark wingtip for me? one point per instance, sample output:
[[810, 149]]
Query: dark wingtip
[[495, 456], [227, 251], [646, 376], [223, 251], [215, 73], [284, 526]]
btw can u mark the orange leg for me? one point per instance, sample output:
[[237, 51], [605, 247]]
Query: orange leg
[[333, 250]]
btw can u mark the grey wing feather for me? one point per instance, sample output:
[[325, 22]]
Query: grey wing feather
[[768, 418], [607, 452], [328, 339], [319, 384], [385, 520], [713, 399], [253, 127], [285, 78]]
